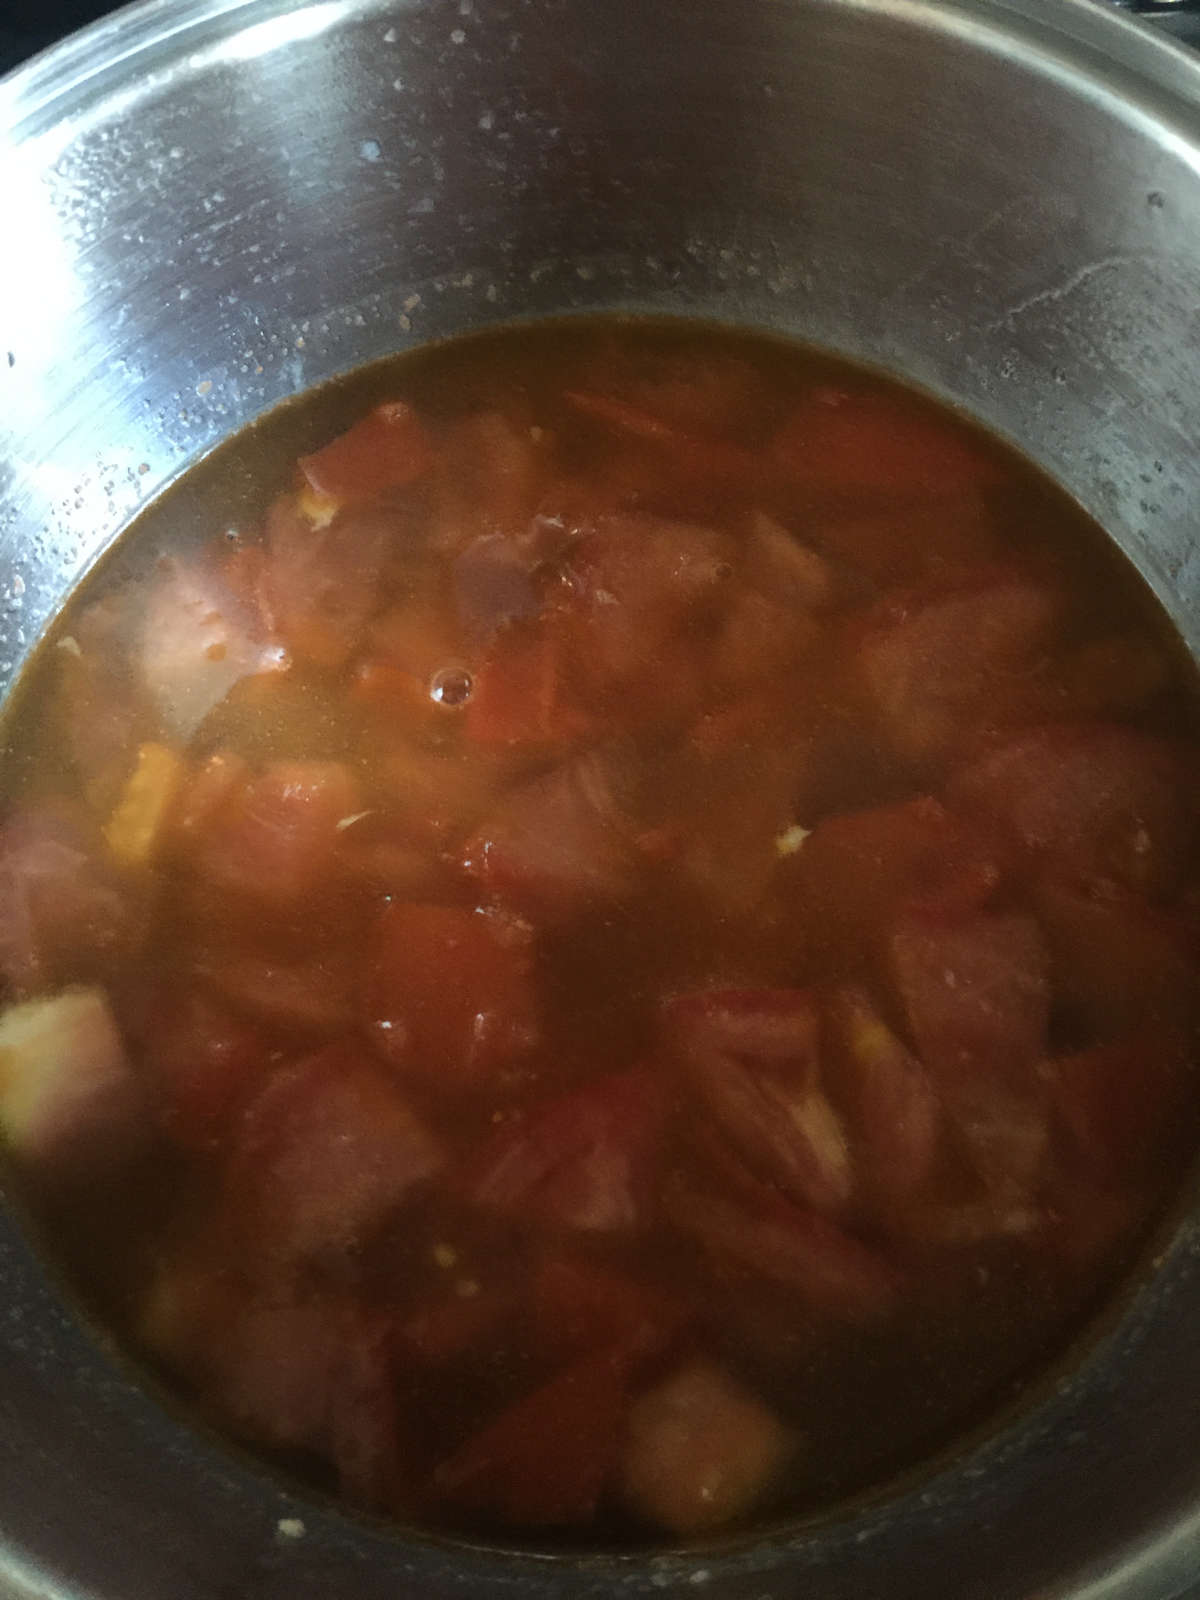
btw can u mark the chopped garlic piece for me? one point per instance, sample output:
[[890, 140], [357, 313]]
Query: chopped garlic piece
[[317, 508], [790, 840], [70, 644], [348, 822], [135, 827]]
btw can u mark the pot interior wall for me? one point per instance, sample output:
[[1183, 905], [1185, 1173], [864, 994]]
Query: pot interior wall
[[210, 206]]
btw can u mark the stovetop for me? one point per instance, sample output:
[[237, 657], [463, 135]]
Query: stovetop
[[27, 26]]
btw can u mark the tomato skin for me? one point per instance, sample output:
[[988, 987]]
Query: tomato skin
[[388, 449], [449, 998]]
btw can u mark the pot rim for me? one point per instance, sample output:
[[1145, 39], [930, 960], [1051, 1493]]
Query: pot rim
[[1099, 50]]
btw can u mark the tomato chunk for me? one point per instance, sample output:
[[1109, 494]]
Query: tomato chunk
[[975, 990], [1093, 801], [976, 995], [322, 581], [701, 1450], [943, 663], [275, 840], [893, 1111], [903, 544], [204, 1061], [286, 1370], [388, 449], [832, 1272], [65, 914], [1114, 1099], [524, 692], [561, 844], [638, 588], [580, 1162], [450, 997], [768, 1101], [877, 446], [324, 1153], [1120, 963], [545, 1461], [856, 871], [577, 1305]]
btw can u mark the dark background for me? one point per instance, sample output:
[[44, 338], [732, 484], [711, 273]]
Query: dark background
[[30, 25]]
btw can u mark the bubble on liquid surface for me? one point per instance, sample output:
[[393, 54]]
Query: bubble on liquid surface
[[451, 687]]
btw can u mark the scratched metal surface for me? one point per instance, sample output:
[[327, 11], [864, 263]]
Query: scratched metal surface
[[210, 204]]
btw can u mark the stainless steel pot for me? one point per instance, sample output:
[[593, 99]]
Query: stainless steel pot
[[209, 204]]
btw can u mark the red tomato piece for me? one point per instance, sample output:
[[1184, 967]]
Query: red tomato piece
[[561, 844], [204, 1061], [205, 795], [576, 1306], [545, 1461], [705, 456], [491, 474], [856, 871], [976, 995], [893, 1110], [875, 446], [640, 587], [975, 991], [291, 1373], [1114, 1099], [303, 995], [1091, 801], [523, 694], [495, 579], [275, 842], [1120, 964], [753, 1057], [449, 996], [906, 543], [834, 1273], [450, 1326], [942, 664], [388, 449], [581, 1161], [325, 1152], [64, 915], [322, 583]]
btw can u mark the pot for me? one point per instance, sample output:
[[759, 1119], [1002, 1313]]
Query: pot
[[211, 204]]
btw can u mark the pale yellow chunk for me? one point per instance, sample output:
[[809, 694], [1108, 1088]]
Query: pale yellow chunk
[[701, 1450], [68, 1097], [317, 508], [134, 830]]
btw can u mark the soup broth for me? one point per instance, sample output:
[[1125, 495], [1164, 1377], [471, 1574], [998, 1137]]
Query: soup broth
[[600, 931]]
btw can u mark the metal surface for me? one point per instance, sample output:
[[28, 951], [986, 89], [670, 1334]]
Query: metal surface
[[209, 204]]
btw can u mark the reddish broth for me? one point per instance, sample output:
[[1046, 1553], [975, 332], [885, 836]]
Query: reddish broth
[[608, 948]]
